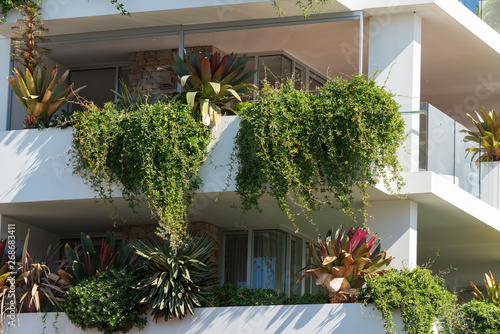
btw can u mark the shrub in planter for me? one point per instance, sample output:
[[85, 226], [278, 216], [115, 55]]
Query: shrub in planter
[[481, 317], [421, 296], [107, 302], [175, 279]]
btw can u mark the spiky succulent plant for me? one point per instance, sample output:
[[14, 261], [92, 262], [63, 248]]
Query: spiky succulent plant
[[344, 260], [212, 81], [487, 137], [491, 289]]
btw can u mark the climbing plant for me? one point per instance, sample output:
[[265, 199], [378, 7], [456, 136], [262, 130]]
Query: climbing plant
[[308, 150], [154, 151]]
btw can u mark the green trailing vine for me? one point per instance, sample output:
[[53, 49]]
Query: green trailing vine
[[309, 150], [154, 152], [421, 297]]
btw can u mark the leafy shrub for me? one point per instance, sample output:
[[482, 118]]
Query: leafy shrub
[[153, 152], [106, 302], [310, 149], [481, 317], [228, 295], [175, 279], [421, 297]]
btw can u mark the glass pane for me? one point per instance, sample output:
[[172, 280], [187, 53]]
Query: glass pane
[[310, 282], [441, 143], [270, 69], [467, 173], [99, 84], [299, 80], [235, 265], [295, 264], [268, 263]]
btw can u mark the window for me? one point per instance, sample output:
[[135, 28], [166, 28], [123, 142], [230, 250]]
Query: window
[[264, 258]]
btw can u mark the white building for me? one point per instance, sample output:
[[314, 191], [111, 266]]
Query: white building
[[433, 51]]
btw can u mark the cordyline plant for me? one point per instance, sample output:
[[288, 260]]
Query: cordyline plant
[[344, 260], [487, 137], [110, 256], [212, 81], [491, 289], [175, 279]]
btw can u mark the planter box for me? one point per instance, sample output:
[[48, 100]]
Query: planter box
[[490, 183], [318, 318]]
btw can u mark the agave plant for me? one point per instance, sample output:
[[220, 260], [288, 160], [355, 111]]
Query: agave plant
[[134, 99], [212, 81], [87, 262], [491, 289], [176, 279], [40, 94], [344, 260], [487, 137]]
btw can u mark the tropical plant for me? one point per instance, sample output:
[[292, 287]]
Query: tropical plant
[[421, 297], [491, 288], [106, 302], [175, 279], [128, 100], [480, 317], [487, 138], [153, 153], [37, 284], [40, 94], [212, 81], [311, 151], [87, 262], [344, 260], [36, 88]]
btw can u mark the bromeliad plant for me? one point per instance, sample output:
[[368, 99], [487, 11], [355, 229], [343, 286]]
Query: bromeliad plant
[[212, 81], [491, 289], [344, 260], [87, 263], [487, 138], [175, 279]]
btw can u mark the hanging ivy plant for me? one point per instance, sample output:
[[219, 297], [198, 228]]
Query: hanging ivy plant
[[308, 150], [154, 152]]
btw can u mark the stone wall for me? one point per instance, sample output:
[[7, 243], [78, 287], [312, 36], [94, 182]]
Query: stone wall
[[144, 70]]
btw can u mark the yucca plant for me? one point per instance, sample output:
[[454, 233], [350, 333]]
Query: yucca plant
[[344, 260], [175, 279], [40, 94], [128, 99], [491, 289], [212, 81], [85, 261], [487, 136]]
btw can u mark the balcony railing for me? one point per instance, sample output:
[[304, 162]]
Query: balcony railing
[[442, 150]]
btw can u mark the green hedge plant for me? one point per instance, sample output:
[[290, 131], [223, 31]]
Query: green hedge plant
[[107, 302], [308, 150]]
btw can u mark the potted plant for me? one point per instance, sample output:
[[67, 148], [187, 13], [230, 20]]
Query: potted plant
[[211, 81], [487, 151]]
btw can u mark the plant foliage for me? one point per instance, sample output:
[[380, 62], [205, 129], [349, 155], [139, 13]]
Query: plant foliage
[[154, 151], [212, 81], [487, 137], [175, 279], [129, 100], [421, 296], [491, 288], [312, 150], [228, 295], [344, 260], [85, 262], [106, 302], [481, 317]]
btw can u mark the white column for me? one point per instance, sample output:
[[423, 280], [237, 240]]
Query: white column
[[4, 85], [395, 222], [394, 59]]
